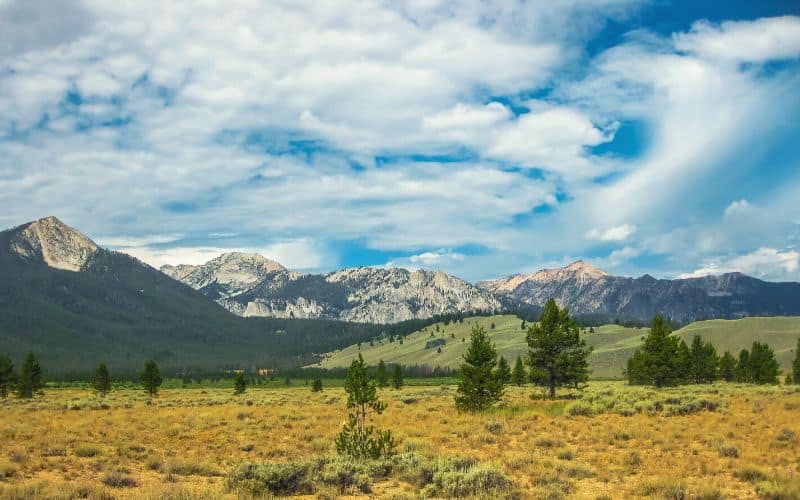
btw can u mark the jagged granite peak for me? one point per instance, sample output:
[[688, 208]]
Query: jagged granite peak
[[579, 270], [586, 290], [230, 274], [54, 243], [362, 294]]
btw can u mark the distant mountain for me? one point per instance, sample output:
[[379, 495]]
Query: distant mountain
[[76, 304], [251, 285], [589, 291]]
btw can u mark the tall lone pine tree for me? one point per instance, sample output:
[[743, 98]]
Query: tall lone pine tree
[[30, 377], [101, 382], [151, 378], [557, 356]]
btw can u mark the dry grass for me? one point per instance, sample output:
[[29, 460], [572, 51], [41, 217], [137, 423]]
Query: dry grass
[[721, 441]]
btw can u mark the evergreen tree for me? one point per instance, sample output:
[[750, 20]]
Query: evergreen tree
[[704, 361], [591, 329], [764, 368], [727, 367], [661, 360], [518, 374], [30, 377], [381, 374], [743, 373], [101, 382], [397, 377], [357, 439], [478, 387], [239, 383], [316, 386], [683, 364], [151, 378], [503, 371], [556, 350], [637, 369], [7, 376], [796, 364]]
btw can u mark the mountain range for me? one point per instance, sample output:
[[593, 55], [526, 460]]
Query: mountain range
[[252, 285], [62, 294], [588, 291], [76, 304]]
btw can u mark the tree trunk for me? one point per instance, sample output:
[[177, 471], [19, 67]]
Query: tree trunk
[[552, 385]]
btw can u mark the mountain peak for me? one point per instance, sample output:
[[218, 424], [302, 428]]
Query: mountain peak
[[582, 267], [55, 243], [234, 272]]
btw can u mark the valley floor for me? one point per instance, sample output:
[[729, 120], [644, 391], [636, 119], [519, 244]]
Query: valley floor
[[611, 441]]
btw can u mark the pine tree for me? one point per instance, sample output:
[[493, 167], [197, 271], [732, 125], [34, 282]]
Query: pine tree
[[662, 359], [503, 371], [239, 383], [101, 382], [7, 376], [357, 439], [727, 367], [764, 367], [518, 374], [637, 369], [704, 361], [796, 364], [30, 377], [397, 377], [151, 378], [743, 373], [683, 364], [478, 387], [381, 374], [557, 352], [316, 386]]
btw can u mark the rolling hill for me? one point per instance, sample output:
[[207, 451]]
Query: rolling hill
[[612, 344]]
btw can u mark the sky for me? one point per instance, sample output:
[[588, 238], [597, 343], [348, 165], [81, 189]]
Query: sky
[[479, 138]]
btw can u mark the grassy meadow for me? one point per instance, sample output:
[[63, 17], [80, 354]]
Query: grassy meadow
[[608, 441], [613, 344]]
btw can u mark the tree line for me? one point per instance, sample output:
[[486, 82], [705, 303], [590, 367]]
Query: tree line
[[665, 360]]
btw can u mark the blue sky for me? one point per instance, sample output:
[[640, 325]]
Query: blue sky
[[480, 138]]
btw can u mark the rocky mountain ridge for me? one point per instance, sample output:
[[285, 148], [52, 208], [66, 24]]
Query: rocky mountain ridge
[[362, 294], [588, 291]]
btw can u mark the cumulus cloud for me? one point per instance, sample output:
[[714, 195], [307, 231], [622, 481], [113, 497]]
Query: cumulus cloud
[[766, 263], [404, 126], [301, 254], [743, 41], [614, 233], [740, 207]]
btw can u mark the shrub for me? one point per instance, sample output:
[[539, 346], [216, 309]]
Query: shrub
[[494, 427], [669, 489], [566, 454], [87, 450], [463, 477], [119, 480], [728, 450], [750, 474], [7, 469], [288, 478]]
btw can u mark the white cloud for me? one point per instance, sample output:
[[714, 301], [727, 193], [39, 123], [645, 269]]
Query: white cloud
[[749, 41], [439, 259], [766, 263], [287, 121], [740, 207], [301, 254], [614, 233]]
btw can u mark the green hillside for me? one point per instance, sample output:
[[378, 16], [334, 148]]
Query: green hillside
[[780, 333], [612, 344]]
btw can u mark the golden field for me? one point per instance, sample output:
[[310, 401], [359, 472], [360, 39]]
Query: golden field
[[611, 441]]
